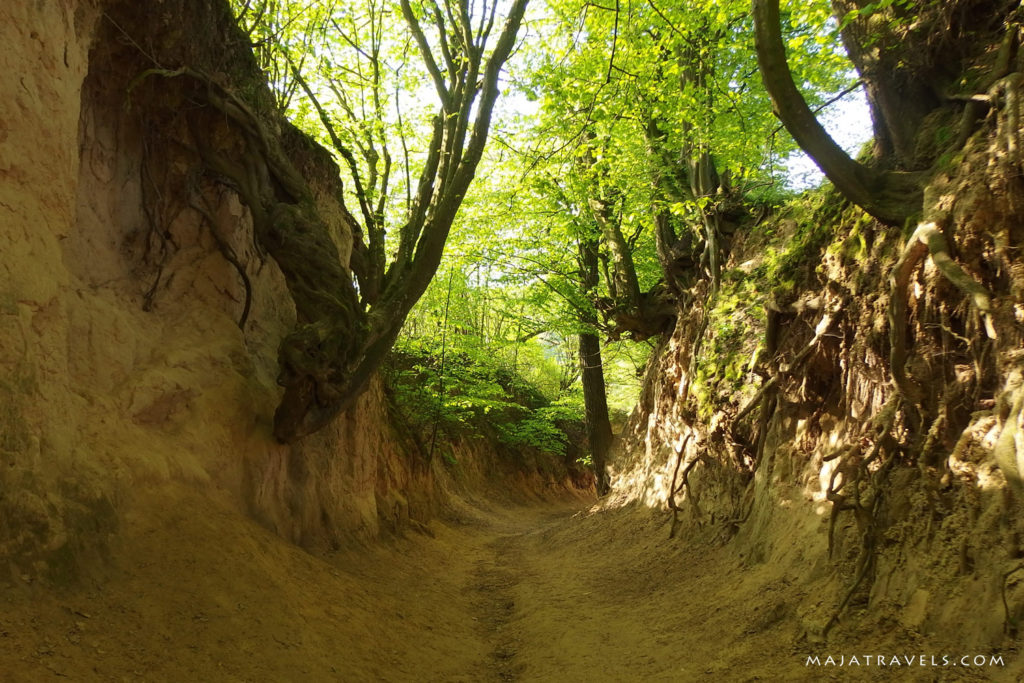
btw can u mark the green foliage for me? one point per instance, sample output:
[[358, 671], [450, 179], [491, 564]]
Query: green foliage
[[542, 429], [360, 62], [591, 80], [475, 395], [603, 75], [612, 100]]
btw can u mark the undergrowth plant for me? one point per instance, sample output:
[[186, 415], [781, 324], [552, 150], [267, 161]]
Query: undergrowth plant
[[475, 395]]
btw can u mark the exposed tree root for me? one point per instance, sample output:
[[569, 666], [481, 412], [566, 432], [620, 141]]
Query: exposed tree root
[[347, 319], [695, 348], [155, 206], [328, 358], [865, 564], [825, 325], [202, 207], [1007, 91], [926, 240], [995, 85], [1007, 450], [685, 485]]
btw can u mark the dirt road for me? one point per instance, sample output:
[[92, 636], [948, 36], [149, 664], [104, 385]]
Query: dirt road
[[546, 592]]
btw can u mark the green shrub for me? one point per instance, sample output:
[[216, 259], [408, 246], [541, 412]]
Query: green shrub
[[475, 397]]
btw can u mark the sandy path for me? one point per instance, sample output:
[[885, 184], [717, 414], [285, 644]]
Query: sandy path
[[535, 593], [607, 598], [200, 593]]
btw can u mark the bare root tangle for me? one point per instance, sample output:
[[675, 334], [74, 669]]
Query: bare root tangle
[[746, 502], [672, 490], [854, 472], [899, 282], [833, 495], [866, 516], [824, 326], [768, 406], [202, 207], [926, 240]]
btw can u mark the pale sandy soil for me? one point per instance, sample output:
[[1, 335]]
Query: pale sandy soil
[[547, 592]]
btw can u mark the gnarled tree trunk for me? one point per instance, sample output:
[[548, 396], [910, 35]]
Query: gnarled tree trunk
[[890, 197]]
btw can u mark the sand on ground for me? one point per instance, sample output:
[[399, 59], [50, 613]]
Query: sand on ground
[[561, 591]]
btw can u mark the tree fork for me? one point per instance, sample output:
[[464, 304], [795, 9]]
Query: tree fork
[[891, 197], [338, 342]]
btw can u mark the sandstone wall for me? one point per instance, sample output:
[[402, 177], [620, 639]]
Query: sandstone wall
[[122, 366]]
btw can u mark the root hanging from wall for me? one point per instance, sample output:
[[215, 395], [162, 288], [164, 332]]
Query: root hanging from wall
[[878, 421]]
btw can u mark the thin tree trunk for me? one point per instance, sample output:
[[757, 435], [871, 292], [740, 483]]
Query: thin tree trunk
[[595, 397], [595, 400]]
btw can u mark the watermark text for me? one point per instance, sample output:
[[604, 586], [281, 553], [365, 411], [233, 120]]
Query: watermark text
[[904, 660]]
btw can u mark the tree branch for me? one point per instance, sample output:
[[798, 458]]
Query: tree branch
[[859, 184], [425, 53]]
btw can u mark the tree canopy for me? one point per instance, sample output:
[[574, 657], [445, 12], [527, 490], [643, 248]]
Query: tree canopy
[[635, 142], [350, 70]]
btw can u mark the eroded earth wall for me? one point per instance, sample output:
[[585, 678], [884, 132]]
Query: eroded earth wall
[[791, 441], [123, 367]]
